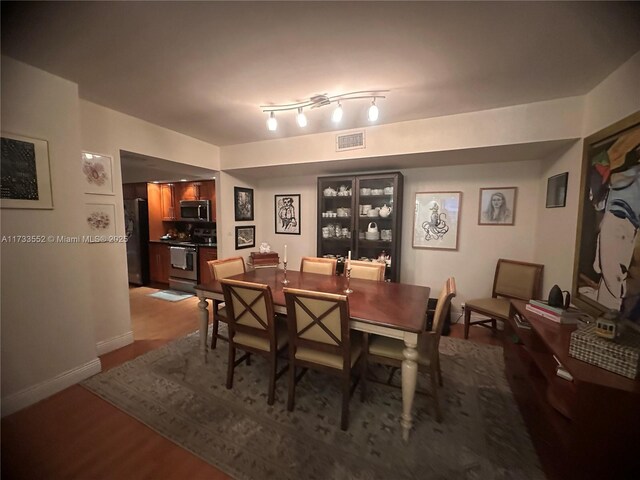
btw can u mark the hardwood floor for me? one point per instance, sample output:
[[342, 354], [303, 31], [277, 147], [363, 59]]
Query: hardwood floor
[[76, 435]]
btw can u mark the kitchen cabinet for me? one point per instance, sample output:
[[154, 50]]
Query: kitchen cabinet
[[159, 260], [202, 190], [361, 214], [132, 191], [168, 201], [205, 255]]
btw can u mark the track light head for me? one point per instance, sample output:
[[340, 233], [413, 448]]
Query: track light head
[[272, 123], [373, 111], [336, 117], [302, 119]]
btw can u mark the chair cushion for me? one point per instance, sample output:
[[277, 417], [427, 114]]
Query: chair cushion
[[330, 359], [262, 343], [392, 348], [493, 307]]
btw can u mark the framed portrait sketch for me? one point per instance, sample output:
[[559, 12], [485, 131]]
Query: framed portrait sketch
[[497, 206], [557, 190], [243, 203], [436, 219], [245, 237], [100, 221], [287, 214], [607, 263], [97, 173], [25, 177]]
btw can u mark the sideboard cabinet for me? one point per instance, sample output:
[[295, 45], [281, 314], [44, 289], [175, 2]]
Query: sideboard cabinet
[[361, 214]]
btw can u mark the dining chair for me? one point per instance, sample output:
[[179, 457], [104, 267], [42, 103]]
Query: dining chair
[[388, 351], [323, 266], [367, 270], [512, 280], [253, 328], [320, 339], [222, 268]]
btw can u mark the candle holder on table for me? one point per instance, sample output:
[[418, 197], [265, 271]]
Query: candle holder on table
[[284, 280], [348, 290]]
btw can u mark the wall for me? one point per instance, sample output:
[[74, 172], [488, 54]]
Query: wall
[[534, 122], [107, 132], [613, 99], [48, 340]]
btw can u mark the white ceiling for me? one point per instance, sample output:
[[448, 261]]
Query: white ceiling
[[204, 68]]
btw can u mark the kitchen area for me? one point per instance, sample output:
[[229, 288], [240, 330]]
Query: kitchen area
[[171, 225]]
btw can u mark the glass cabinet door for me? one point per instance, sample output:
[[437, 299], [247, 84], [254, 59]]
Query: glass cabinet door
[[379, 208], [335, 218]]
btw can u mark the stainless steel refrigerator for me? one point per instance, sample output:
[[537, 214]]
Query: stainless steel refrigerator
[[136, 222]]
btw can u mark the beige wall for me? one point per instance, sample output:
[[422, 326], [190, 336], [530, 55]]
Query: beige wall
[[107, 132], [48, 337]]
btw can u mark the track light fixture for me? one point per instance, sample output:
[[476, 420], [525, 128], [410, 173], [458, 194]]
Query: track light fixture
[[320, 101]]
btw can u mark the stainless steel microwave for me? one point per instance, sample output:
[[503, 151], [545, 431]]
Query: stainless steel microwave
[[195, 210]]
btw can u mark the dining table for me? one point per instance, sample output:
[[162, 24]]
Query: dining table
[[395, 310]]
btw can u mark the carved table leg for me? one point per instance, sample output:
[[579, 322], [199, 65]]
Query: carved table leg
[[204, 325], [409, 380]]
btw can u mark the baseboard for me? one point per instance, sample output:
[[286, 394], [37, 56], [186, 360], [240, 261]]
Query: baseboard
[[119, 341], [22, 399]]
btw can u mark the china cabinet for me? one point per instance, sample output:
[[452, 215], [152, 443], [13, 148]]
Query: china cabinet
[[361, 214]]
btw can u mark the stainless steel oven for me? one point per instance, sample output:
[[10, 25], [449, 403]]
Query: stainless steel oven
[[183, 270]]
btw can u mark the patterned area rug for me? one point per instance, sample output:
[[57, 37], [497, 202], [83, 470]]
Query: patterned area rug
[[174, 392]]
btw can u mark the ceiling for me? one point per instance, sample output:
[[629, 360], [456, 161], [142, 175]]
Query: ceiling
[[204, 68]]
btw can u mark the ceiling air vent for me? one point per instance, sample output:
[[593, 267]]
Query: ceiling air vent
[[350, 141]]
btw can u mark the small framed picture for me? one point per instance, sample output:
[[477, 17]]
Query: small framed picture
[[100, 221], [25, 180], [245, 237], [97, 173], [436, 219], [557, 190], [497, 206], [287, 214], [243, 203]]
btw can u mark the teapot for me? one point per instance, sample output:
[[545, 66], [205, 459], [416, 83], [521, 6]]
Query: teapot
[[385, 211], [372, 228], [329, 192]]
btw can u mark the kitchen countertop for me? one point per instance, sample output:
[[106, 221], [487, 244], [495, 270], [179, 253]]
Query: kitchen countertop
[[184, 243]]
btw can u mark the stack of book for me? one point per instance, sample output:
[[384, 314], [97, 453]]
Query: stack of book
[[556, 314]]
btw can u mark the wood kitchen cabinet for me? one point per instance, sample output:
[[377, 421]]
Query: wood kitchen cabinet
[[344, 203], [168, 201], [205, 254], [159, 262], [202, 190]]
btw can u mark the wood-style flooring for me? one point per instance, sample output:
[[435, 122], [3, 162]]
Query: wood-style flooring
[[76, 435]]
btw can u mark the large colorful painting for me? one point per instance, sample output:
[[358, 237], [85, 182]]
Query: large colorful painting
[[607, 274]]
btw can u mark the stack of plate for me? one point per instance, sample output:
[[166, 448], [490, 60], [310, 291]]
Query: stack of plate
[[372, 235]]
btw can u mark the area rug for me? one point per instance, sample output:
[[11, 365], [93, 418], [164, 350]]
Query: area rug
[[171, 295], [174, 392]]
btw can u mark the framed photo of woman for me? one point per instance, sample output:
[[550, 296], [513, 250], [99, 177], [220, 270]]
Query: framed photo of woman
[[497, 206]]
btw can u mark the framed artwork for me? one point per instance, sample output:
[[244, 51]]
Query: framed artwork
[[497, 206], [287, 214], [100, 221], [243, 203], [557, 190], [25, 176], [97, 173], [607, 263], [436, 219], [245, 237]]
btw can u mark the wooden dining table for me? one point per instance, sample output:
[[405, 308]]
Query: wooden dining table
[[393, 310]]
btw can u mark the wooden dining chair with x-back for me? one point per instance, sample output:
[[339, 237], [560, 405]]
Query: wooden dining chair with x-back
[[253, 328], [320, 339], [389, 351], [222, 268]]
